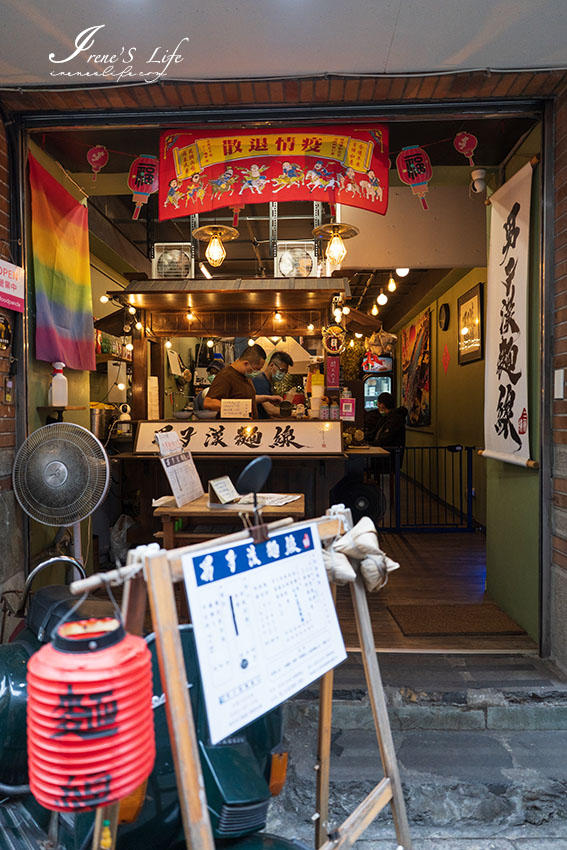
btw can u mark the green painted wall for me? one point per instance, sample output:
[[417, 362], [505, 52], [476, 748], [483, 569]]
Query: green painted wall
[[513, 502], [457, 394]]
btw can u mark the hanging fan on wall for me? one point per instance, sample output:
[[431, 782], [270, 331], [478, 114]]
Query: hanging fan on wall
[[61, 475]]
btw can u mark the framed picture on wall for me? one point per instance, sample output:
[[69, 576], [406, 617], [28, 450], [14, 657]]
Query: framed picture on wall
[[469, 325]]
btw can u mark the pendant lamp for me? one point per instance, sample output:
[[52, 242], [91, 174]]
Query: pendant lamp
[[335, 233], [216, 235]]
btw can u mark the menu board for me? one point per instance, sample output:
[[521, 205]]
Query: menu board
[[265, 623]]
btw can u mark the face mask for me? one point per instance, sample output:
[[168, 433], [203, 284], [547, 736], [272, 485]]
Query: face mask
[[211, 378], [253, 374], [279, 376]]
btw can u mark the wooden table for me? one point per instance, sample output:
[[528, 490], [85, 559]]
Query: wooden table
[[199, 509]]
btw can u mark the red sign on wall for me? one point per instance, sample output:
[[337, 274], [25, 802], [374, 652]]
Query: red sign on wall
[[205, 170]]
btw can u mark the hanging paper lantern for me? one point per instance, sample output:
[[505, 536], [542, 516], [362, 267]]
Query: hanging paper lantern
[[143, 180], [414, 169], [97, 158], [466, 144], [90, 724]]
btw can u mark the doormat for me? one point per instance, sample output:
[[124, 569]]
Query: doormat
[[428, 620]]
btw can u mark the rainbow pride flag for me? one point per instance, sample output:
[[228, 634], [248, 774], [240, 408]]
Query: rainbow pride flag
[[62, 276]]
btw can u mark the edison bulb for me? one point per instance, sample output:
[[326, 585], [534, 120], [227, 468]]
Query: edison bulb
[[190, 316], [215, 252], [336, 251], [310, 327], [392, 284], [168, 343], [351, 343], [132, 310], [139, 326], [374, 310], [278, 316]]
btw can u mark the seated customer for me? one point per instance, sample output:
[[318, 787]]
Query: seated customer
[[234, 381], [275, 369], [389, 430]]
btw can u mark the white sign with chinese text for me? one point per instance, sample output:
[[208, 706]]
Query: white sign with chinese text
[[265, 436], [235, 408], [11, 287], [506, 413], [265, 624]]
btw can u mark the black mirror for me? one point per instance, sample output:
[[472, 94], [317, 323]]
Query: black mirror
[[254, 475]]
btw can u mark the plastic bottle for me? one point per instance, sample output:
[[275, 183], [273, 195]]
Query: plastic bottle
[[324, 411], [334, 410], [57, 396]]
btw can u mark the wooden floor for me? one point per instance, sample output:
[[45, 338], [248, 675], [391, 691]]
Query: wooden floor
[[444, 568]]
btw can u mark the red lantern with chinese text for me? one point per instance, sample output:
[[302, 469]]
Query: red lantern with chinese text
[[143, 180], [97, 158], [414, 169], [90, 721], [466, 144]]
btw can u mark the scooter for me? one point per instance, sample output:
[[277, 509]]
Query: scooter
[[241, 773]]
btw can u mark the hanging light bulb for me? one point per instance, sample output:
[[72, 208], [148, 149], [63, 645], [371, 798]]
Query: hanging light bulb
[[374, 310], [190, 316], [104, 299], [336, 251], [402, 272], [358, 336], [127, 329], [210, 343], [346, 310], [338, 314], [120, 386], [310, 327], [251, 341], [382, 298], [277, 316], [138, 326], [132, 310], [168, 343], [130, 347], [215, 252], [392, 286], [351, 343]]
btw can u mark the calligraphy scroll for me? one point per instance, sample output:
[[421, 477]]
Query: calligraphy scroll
[[209, 169], [506, 414]]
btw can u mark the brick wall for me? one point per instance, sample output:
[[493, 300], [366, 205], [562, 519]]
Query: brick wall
[[7, 411], [559, 507]]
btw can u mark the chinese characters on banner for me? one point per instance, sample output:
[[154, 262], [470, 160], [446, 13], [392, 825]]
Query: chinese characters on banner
[[206, 170], [506, 433]]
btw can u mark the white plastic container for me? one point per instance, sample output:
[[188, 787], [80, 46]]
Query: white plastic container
[[58, 394]]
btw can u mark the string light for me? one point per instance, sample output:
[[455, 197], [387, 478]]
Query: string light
[[338, 314], [346, 310], [168, 343], [190, 316], [374, 310], [104, 299], [130, 347], [392, 284], [382, 298], [402, 272], [251, 341], [139, 326], [210, 343], [358, 336], [351, 343], [132, 310], [120, 386], [277, 316], [310, 327]]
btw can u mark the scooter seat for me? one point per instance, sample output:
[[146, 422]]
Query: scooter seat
[[50, 604]]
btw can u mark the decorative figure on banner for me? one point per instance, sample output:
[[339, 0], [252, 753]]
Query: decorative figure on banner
[[348, 182], [371, 187], [97, 158], [173, 194], [197, 189], [223, 184], [466, 144], [414, 169], [143, 181], [320, 177], [254, 180], [292, 175]]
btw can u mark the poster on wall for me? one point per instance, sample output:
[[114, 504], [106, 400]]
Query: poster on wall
[[415, 369], [205, 170], [506, 415]]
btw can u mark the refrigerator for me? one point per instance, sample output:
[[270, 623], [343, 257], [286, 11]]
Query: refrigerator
[[377, 378]]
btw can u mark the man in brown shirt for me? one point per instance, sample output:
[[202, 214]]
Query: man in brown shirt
[[234, 382]]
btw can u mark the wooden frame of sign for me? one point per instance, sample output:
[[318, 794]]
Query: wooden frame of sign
[[162, 569]]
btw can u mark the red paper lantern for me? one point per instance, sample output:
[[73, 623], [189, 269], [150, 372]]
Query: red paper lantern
[[143, 180], [90, 722], [97, 158], [466, 144], [414, 169]]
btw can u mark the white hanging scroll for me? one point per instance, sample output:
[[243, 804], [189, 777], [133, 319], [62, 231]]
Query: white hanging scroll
[[506, 414]]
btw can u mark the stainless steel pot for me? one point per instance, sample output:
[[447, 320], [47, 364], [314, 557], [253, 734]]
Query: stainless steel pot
[[101, 420]]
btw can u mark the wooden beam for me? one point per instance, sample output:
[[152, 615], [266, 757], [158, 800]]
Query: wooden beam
[[101, 228]]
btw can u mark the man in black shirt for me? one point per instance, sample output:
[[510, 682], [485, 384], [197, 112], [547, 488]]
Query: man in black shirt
[[389, 430]]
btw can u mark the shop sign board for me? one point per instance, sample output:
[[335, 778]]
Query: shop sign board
[[203, 170], [11, 287], [271, 437], [264, 621]]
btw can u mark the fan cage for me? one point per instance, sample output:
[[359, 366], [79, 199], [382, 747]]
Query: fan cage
[[96, 464]]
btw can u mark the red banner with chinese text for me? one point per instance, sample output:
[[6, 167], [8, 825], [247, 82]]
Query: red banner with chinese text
[[205, 170]]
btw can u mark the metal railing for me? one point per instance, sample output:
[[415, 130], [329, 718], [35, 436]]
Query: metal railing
[[423, 488]]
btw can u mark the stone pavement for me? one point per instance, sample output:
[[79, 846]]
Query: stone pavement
[[481, 744]]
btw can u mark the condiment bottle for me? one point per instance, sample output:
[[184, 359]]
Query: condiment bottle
[[334, 410], [324, 411]]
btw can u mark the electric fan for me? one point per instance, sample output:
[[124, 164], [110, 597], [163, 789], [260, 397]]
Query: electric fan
[[61, 475]]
